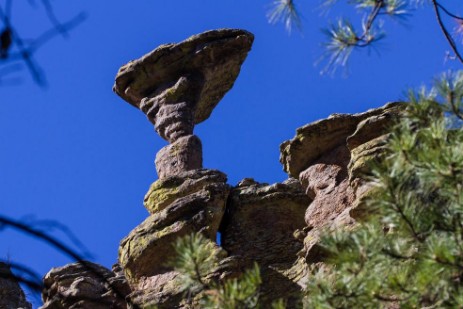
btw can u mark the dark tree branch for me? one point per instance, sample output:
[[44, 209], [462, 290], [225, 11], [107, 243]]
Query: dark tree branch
[[54, 20], [53, 242], [27, 275], [447, 35], [26, 51], [371, 19], [448, 12], [53, 32], [33, 285]]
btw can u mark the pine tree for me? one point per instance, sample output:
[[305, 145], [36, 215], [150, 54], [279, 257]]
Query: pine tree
[[408, 250]]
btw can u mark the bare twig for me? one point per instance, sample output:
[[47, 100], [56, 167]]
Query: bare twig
[[53, 242], [26, 51], [54, 20], [26, 276], [447, 35], [448, 12]]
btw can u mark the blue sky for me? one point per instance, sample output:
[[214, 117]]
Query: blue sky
[[78, 154]]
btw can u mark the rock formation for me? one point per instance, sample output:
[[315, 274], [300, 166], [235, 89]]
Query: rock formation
[[178, 85], [277, 226], [85, 285]]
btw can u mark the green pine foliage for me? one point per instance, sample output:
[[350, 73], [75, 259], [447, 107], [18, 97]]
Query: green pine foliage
[[343, 37], [408, 250], [197, 258]]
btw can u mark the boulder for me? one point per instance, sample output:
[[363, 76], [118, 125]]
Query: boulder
[[332, 158], [183, 155], [164, 191], [315, 139], [213, 57], [85, 285], [147, 249]]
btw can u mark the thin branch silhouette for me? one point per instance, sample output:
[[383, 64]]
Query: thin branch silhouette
[[437, 7], [63, 248], [25, 49]]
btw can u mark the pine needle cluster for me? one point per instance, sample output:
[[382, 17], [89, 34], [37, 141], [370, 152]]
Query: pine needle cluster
[[197, 258]]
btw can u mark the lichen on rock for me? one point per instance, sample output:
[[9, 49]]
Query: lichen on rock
[[145, 251]]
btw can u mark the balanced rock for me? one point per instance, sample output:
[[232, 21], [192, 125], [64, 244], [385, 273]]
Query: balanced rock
[[204, 66], [85, 285], [11, 294], [178, 86]]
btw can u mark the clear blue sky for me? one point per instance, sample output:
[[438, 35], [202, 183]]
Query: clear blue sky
[[78, 154]]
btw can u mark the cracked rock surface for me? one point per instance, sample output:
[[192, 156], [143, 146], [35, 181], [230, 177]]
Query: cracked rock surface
[[85, 285]]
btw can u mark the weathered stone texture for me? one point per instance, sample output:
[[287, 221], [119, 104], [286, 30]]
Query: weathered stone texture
[[263, 224], [277, 226], [330, 157], [11, 294], [316, 139], [148, 247], [215, 56], [164, 191], [183, 155], [85, 285]]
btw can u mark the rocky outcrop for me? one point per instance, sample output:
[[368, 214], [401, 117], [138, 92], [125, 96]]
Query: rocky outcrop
[[11, 294], [85, 285], [149, 246], [277, 226], [330, 158], [264, 224]]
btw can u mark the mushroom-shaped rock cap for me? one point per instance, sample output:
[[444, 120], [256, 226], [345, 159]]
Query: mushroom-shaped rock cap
[[216, 55]]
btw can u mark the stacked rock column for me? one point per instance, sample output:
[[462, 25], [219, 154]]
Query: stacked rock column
[[171, 110], [177, 86]]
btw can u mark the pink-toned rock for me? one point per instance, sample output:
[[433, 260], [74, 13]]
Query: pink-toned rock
[[314, 140], [147, 249], [262, 224], [85, 285], [183, 155], [213, 58]]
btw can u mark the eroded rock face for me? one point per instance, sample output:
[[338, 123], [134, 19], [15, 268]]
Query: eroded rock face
[[85, 285], [148, 247], [330, 157], [264, 223], [11, 294], [316, 139], [215, 57], [165, 191], [277, 225]]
